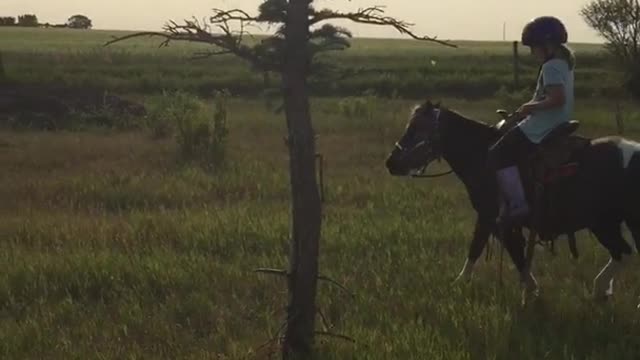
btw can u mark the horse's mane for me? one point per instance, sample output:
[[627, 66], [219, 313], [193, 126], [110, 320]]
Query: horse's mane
[[480, 125]]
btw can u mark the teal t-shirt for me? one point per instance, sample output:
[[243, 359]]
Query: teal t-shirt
[[539, 124]]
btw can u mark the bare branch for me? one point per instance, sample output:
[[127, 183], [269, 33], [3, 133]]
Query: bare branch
[[325, 323], [225, 16], [342, 287], [207, 54], [338, 336], [225, 38], [272, 272], [375, 16], [285, 273], [274, 339], [136, 35]]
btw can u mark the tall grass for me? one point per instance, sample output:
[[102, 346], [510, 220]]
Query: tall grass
[[112, 248]]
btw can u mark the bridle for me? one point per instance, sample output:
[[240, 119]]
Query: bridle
[[432, 142]]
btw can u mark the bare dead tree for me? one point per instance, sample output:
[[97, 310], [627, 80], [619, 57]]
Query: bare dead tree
[[618, 22], [301, 33]]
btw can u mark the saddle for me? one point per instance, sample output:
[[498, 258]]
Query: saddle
[[553, 158]]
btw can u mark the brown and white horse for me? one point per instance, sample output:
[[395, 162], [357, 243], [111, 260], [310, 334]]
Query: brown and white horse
[[603, 193]]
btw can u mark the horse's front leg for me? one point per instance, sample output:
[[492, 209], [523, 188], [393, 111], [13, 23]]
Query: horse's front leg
[[514, 242], [483, 229]]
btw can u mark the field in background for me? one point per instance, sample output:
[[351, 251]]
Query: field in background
[[114, 248], [387, 67]]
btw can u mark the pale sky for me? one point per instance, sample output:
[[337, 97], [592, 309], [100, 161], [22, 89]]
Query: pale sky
[[449, 19]]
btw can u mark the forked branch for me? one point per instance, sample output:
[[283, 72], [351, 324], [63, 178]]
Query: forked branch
[[266, 55], [285, 273], [225, 39], [375, 16]]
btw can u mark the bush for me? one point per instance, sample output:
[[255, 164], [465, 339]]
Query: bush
[[200, 135], [162, 117], [358, 107]]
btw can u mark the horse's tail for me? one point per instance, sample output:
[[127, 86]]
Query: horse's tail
[[632, 216]]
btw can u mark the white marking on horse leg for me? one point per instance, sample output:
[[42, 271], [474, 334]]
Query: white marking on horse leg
[[628, 149], [529, 282], [603, 283], [530, 289], [467, 270]]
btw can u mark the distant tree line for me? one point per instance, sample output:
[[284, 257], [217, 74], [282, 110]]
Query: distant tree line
[[27, 20], [30, 20]]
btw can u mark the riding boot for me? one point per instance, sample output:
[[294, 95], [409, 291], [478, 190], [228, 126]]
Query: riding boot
[[514, 205]]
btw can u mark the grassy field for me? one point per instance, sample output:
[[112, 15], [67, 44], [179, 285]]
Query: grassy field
[[112, 247], [78, 58]]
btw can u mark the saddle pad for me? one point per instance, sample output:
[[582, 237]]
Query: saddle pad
[[553, 174]]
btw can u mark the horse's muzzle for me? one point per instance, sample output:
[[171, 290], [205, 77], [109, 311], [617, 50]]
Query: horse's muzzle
[[394, 169]]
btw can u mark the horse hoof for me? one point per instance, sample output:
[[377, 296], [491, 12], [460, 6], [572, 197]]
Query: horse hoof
[[531, 298]]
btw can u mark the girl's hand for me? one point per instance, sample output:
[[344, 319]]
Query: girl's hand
[[528, 108]]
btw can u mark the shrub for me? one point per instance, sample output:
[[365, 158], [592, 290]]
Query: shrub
[[361, 107], [200, 133]]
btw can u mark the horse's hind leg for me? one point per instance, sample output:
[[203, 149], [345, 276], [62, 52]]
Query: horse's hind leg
[[610, 235], [573, 246], [633, 223], [632, 199]]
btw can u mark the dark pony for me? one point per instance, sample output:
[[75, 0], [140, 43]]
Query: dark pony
[[601, 194]]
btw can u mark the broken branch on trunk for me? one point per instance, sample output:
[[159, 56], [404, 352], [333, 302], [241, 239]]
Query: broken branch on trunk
[[278, 272], [337, 336]]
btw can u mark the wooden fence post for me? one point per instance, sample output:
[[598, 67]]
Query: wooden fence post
[[516, 66]]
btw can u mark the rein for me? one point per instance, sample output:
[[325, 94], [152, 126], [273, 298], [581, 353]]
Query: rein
[[421, 175]]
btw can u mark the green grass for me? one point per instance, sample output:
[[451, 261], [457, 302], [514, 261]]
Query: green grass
[[112, 248], [402, 67]]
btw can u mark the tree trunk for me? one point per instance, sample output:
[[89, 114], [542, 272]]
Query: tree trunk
[[2, 73], [306, 206]]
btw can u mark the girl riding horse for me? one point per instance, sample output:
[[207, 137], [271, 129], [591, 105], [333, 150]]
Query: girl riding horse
[[552, 105]]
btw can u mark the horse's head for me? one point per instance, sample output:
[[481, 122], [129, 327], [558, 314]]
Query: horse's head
[[421, 142]]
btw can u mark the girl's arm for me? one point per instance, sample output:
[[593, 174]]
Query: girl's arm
[[555, 98]]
